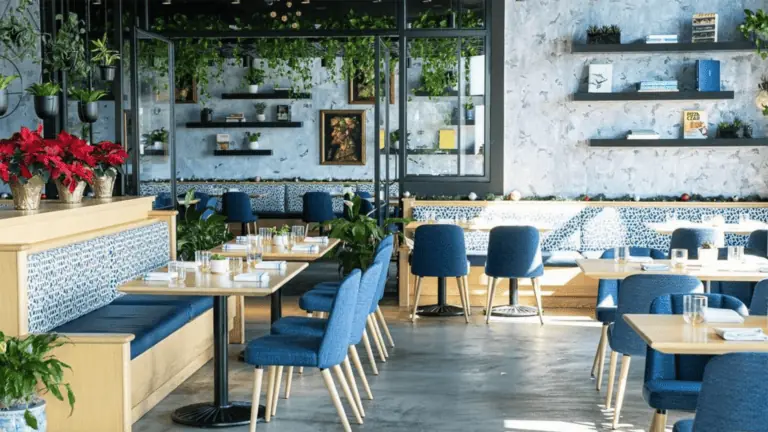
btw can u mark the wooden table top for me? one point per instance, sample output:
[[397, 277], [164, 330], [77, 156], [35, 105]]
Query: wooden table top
[[281, 254], [722, 271], [669, 334], [477, 226], [208, 284], [668, 228]]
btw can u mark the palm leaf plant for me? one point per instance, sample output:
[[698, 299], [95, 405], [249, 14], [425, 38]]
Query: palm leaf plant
[[199, 231]]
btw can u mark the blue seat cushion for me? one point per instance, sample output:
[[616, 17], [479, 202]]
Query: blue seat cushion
[[283, 351], [299, 326], [683, 426], [197, 305], [672, 394], [560, 258], [149, 323], [606, 314], [317, 301], [327, 286]]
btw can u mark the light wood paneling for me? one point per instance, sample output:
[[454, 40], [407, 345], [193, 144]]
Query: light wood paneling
[[13, 293], [169, 217]]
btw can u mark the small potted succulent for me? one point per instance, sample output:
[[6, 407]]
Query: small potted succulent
[[708, 252], [5, 81], [105, 57], [219, 264], [109, 158], [253, 79], [603, 35], [261, 109], [280, 235], [253, 140], [46, 98], [87, 103]]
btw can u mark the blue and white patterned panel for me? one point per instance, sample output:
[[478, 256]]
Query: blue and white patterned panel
[[68, 282], [154, 188], [394, 188], [295, 192]]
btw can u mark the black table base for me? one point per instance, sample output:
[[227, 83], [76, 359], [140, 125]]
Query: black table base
[[442, 308], [514, 309], [208, 415]]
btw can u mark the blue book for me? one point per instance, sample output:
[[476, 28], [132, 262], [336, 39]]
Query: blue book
[[708, 75]]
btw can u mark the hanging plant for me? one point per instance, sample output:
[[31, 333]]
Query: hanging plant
[[19, 36], [67, 50], [755, 28], [105, 58]]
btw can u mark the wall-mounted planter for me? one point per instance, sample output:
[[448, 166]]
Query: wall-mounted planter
[[46, 106], [107, 73], [3, 101], [88, 112]]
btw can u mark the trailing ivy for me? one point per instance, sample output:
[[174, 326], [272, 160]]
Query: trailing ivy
[[19, 35], [67, 49]]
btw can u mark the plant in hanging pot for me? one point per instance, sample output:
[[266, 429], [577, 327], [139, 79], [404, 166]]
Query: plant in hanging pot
[[75, 169], [261, 109], [109, 158], [105, 57], [708, 252], [26, 162], [253, 79], [46, 98], [27, 371], [87, 103], [253, 140], [5, 81]]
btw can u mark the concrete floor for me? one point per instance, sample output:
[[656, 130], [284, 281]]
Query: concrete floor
[[444, 375]]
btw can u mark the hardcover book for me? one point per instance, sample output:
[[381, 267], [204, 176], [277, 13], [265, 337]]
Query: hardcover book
[[708, 75], [695, 125]]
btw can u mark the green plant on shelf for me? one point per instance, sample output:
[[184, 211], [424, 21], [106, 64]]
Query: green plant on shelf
[[607, 34], [253, 136], [261, 108], [254, 76], [102, 54], [755, 28], [44, 89], [86, 95], [6, 80], [734, 129], [157, 135]]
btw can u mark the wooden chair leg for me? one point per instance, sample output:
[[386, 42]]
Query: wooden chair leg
[[276, 391], [348, 393], [328, 379], [257, 377], [369, 351], [625, 361], [659, 421], [350, 376], [288, 382], [465, 280], [537, 292], [379, 334], [492, 282], [360, 371], [384, 325], [416, 300], [611, 379], [602, 348], [376, 341], [488, 298], [463, 295], [270, 392]]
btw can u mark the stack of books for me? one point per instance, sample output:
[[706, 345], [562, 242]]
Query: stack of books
[[661, 39], [642, 134], [657, 86], [235, 118], [704, 28]]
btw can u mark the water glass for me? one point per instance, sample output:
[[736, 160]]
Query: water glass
[[293, 240], [679, 258], [621, 255], [736, 253], [235, 265], [181, 272], [265, 234], [203, 260], [694, 307], [254, 251], [299, 232], [744, 219]]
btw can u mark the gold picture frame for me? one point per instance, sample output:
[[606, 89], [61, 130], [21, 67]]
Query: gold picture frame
[[342, 137]]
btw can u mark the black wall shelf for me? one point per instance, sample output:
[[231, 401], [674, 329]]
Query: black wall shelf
[[153, 152], [431, 152], [450, 93], [656, 48], [278, 94], [679, 142], [252, 125], [242, 152], [652, 96]]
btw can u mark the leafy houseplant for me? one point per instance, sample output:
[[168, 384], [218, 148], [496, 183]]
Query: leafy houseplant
[[196, 232], [67, 50], [736, 129], [105, 57], [469, 110], [280, 235], [109, 159], [46, 98], [87, 106], [26, 369], [261, 108], [5, 81], [18, 32], [26, 162], [253, 140], [604, 35], [158, 138], [755, 28], [253, 79]]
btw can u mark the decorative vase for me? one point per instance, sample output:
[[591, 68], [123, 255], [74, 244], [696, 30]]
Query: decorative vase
[[220, 266], [253, 88], [280, 240], [708, 255], [206, 115], [261, 117], [157, 145], [46, 106], [107, 73], [88, 112], [253, 145], [3, 101], [27, 196], [68, 197], [103, 186], [13, 419]]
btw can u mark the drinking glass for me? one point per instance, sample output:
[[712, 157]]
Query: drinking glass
[[694, 307], [235, 265], [299, 232], [181, 272], [173, 270], [679, 258], [293, 240], [254, 252], [265, 234], [744, 219], [736, 253], [203, 260], [621, 255]]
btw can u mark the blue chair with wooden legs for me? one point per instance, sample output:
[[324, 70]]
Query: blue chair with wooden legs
[[236, 206], [325, 353], [691, 239], [759, 304], [514, 252], [732, 396], [673, 382], [439, 251], [605, 309], [636, 295], [317, 208]]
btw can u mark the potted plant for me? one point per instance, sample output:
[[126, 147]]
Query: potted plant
[[280, 236], [109, 159], [219, 264], [261, 109], [87, 105], [736, 129], [46, 99], [253, 140], [708, 252], [761, 101], [755, 28], [469, 111], [28, 370], [158, 138], [75, 169], [5, 81], [253, 79], [199, 231], [105, 57], [604, 35], [26, 160], [206, 115]]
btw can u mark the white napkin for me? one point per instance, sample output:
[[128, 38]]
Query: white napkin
[[271, 265], [306, 248], [716, 315], [322, 240], [262, 277], [234, 247], [159, 276], [639, 259], [741, 334], [654, 267], [241, 239]]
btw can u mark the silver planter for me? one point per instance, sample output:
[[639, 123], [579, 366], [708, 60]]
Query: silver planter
[[103, 186], [3, 101], [13, 420], [27, 196], [70, 197]]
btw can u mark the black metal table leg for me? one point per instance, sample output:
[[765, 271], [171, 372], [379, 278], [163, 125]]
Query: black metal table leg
[[221, 412], [276, 306], [442, 308], [513, 309]]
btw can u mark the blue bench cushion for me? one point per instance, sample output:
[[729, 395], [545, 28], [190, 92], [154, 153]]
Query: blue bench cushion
[[671, 394], [560, 258], [283, 350], [196, 305]]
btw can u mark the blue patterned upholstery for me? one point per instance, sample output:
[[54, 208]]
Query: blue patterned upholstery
[[672, 382], [759, 304], [163, 201], [439, 251], [317, 207], [514, 252], [636, 294], [236, 206], [733, 395], [691, 239]]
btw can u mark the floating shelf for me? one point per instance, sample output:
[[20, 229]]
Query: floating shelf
[[242, 152], [264, 124], [152, 152], [656, 48], [678, 142], [431, 152], [451, 93], [278, 94], [651, 96], [466, 123]]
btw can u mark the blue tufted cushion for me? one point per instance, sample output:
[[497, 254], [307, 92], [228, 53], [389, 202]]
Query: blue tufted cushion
[[672, 394], [514, 252], [236, 206], [317, 207], [284, 351], [197, 305], [759, 304], [439, 251], [683, 426], [691, 239]]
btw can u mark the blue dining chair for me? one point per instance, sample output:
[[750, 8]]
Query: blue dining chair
[[236, 206], [732, 396], [757, 243], [514, 252], [759, 304], [211, 207], [202, 202], [317, 208], [325, 353], [635, 297], [673, 382], [691, 239], [163, 201], [439, 251], [605, 309]]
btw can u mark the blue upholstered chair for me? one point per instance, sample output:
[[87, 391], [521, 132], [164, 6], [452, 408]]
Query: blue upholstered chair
[[757, 243], [691, 239], [366, 205], [514, 252], [163, 201], [325, 353], [236, 206], [605, 310], [636, 295], [202, 202], [732, 396], [317, 208], [673, 382], [439, 251], [759, 304], [210, 208]]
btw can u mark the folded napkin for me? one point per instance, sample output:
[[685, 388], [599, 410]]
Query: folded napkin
[[654, 267], [716, 315], [306, 248], [241, 239], [639, 259], [741, 334], [271, 265], [322, 240], [262, 277], [159, 276], [234, 247]]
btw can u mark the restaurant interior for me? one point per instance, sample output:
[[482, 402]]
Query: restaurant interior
[[395, 215]]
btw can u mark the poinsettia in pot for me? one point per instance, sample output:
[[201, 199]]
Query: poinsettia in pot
[[110, 158], [75, 169], [26, 161]]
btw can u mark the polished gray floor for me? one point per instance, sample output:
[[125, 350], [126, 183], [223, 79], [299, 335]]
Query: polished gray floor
[[445, 375]]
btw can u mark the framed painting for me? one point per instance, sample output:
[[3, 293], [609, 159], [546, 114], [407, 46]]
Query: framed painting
[[363, 91], [342, 137]]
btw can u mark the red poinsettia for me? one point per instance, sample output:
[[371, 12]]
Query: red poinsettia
[[26, 154], [110, 158], [76, 160]]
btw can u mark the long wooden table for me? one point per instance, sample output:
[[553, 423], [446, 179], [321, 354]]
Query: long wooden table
[[282, 254], [721, 271]]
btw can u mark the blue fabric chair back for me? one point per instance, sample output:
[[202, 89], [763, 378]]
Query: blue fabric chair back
[[318, 207], [608, 289], [759, 304], [368, 286], [733, 394], [635, 297], [383, 255], [163, 201], [236, 206], [439, 251], [758, 242], [691, 239], [202, 204], [333, 348], [683, 367], [514, 252]]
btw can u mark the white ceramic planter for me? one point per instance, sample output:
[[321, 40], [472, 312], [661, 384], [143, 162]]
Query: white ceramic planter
[[253, 88], [253, 145], [220, 266], [157, 145], [280, 240], [13, 420], [261, 117], [708, 255]]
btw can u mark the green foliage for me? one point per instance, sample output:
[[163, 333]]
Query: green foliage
[[44, 89], [67, 50], [102, 54], [603, 31], [281, 231], [261, 107], [755, 27], [253, 136], [156, 135], [26, 366], [217, 257], [6, 80], [87, 95], [194, 233], [19, 36], [254, 76]]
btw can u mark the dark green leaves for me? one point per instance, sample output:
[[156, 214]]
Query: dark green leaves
[[194, 233]]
